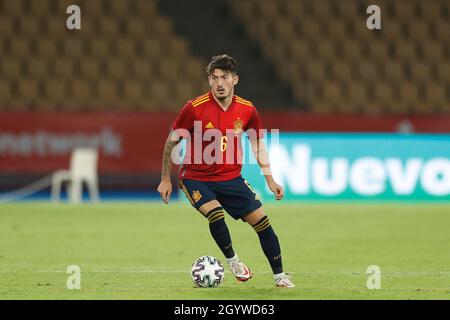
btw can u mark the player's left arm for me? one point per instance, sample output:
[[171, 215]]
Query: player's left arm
[[260, 151]]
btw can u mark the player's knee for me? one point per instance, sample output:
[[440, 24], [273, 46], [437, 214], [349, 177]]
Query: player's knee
[[215, 215], [262, 224]]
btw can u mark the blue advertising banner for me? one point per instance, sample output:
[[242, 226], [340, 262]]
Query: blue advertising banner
[[355, 167]]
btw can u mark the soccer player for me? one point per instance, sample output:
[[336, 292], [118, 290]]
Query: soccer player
[[210, 177]]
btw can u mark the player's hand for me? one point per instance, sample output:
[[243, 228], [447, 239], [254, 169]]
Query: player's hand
[[277, 190], [165, 190]]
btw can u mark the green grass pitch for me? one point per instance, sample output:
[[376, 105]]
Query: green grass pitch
[[145, 251]]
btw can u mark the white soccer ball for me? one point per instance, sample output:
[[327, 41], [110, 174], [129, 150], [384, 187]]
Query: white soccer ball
[[207, 272]]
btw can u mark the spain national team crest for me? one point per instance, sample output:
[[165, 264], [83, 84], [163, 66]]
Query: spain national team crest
[[238, 124], [196, 195]]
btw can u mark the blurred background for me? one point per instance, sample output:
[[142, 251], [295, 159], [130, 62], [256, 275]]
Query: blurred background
[[309, 66]]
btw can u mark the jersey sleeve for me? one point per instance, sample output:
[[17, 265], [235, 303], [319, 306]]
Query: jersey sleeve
[[185, 119], [255, 123]]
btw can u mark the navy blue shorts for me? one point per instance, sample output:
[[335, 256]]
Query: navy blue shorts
[[236, 196]]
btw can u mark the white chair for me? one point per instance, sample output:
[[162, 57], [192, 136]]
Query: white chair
[[83, 168]]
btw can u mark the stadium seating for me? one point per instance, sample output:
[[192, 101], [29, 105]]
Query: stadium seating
[[110, 64], [127, 55], [326, 44]]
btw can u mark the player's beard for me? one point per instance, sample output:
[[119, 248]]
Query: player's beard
[[222, 96]]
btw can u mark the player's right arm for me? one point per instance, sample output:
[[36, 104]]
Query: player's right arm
[[165, 186], [182, 125]]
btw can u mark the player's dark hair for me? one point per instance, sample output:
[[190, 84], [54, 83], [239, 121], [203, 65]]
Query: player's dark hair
[[223, 62]]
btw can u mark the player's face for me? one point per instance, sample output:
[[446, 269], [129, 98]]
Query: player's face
[[222, 83]]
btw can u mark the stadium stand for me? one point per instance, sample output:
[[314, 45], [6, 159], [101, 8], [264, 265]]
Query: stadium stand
[[125, 57], [130, 56], [325, 44]]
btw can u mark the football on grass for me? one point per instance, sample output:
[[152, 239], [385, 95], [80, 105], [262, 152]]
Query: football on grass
[[207, 272]]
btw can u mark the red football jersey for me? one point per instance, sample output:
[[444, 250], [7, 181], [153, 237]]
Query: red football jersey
[[220, 135]]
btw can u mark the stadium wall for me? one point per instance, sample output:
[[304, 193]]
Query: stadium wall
[[132, 143]]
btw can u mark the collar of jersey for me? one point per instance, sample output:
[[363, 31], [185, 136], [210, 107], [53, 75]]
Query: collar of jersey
[[233, 102]]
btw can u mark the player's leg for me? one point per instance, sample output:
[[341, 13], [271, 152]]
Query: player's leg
[[203, 197], [269, 244], [214, 212]]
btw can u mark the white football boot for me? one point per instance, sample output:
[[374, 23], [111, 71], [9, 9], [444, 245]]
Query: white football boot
[[240, 270], [283, 281]]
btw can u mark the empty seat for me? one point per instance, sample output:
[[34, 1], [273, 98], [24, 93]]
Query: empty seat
[[315, 70], [93, 9], [55, 91], [429, 10], [404, 10], [311, 29], [420, 71], [394, 71], [337, 30], [63, 68], [284, 30], [432, 51], [81, 90], [405, 50], [321, 9], [136, 28], [357, 96], [13, 8], [168, 69], [118, 8], [27, 88], [56, 26], [342, 71], [7, 26], [30, 26], [326, 51], [100, 48], [443, 71], [442, 30], [37, 68], [145, 8], [379, 50], [348, 9], [384, 95], [178, 48], [141, 69], [46, 47], [162, 26], [109, 27], [116, 68], [435, 95], [269, 10], [133, 92], [393, 30], [418, 31], [291, 9], [366, 71], [299, 50], [409, 95], [74, 47], [11, 68], [352, 51], [20, 47], [125, 48], [6, 93], [106, 92], [151, 48], [90, 68], [332, 92]]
